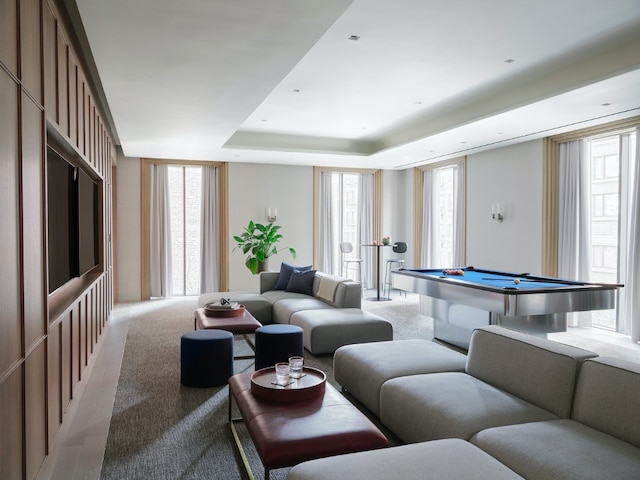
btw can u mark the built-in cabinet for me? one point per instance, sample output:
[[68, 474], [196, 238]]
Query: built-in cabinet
[[46, 341]]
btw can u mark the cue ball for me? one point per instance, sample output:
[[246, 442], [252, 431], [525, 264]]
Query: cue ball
[[516, 281]]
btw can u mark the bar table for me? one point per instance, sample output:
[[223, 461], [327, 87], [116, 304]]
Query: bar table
[[377, 246]]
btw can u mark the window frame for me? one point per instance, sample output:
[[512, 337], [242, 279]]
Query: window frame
[[145, 219]]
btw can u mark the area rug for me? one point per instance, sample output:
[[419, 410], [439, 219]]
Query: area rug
[[163, 430]]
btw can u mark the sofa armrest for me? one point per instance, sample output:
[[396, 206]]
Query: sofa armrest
[[348, 295], [268, 280]]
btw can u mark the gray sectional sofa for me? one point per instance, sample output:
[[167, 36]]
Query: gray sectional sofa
[[326, 307], [543, 410]]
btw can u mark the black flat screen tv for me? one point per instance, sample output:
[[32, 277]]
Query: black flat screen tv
[[72, 209]]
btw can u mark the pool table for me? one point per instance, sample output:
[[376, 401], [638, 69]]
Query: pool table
[[461, 299]]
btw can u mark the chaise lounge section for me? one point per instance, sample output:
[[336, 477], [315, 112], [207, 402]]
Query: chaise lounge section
[[509, 378], [601, 439], [540, 409]]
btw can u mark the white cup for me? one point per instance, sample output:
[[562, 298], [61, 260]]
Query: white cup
[[282, 373], [295, 365]]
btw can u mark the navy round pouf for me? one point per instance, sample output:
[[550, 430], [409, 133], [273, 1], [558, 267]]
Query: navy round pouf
[[206, 358], [276, 343]]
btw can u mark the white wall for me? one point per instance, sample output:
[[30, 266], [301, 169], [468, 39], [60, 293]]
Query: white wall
[[512, 176], [128, 217], [252, 189], [397, 208]]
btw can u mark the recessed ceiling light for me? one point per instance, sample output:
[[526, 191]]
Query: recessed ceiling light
[[355, 38], [295, 90], [509, 60], [418, 103], [605, 104], [263, 120]]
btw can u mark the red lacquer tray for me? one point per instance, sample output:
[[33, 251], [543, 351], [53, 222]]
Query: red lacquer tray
[[309, 386]]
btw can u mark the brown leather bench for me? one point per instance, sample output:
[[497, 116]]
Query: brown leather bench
[[286, 434]]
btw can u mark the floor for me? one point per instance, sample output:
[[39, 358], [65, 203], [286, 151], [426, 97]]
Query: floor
[[78, 454]]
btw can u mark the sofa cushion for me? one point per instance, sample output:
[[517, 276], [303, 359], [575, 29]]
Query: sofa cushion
[[362, 369], [283, 309], [562, 449], [301, 282], [450, 405], [274, 296], [449, 459], [325, 330], [285, 274], [535, 369], [608, 398]]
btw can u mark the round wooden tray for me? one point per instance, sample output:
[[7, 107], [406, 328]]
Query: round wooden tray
[[224, 313], [310, 386]]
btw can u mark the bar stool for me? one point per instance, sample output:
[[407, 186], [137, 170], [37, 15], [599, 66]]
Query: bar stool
[[394, 264], [354, 264]]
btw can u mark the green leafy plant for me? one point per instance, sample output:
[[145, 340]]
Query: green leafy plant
[[258, 242]]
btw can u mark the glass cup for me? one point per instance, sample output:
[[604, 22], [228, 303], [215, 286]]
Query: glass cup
[[295, 364], [282, 373]]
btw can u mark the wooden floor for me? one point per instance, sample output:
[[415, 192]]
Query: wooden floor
[[78, 456]]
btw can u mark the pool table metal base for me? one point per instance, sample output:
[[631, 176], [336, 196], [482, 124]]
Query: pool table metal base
[[454, 323]]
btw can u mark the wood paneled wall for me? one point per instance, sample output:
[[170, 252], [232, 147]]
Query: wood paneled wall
[[46, 341]]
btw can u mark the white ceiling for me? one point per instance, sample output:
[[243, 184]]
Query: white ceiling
[[283, 81]]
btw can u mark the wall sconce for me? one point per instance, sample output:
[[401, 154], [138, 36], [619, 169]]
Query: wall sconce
[[496, 212], [274, 217]]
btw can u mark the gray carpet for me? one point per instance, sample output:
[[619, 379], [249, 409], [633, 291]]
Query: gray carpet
[[163, 430]]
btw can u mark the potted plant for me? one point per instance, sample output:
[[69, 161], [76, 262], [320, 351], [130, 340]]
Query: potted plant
[[258, 242]]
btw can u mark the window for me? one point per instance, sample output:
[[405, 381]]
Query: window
[[184, 248], [442, 209], [346, 209], [609, 156], [184, 220], [445, 201], [344, 190]]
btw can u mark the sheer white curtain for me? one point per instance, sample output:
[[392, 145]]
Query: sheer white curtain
[[428, 257], [160, 233], [327, 241], [431, 254], [458, 216], [573, 215], [365, 226], [573, 220], [632, 280], [209, 229]]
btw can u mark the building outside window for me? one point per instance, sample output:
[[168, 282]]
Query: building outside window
[[610, 161]]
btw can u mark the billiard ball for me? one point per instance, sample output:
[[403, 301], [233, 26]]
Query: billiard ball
[[516, 281]]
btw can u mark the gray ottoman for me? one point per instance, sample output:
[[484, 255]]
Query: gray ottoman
[[257, 305], [450, 459], [325, 330], [362, 369]]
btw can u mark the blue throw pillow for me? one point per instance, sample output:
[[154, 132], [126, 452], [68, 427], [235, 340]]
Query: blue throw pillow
[[285, 274], [301, 282]]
